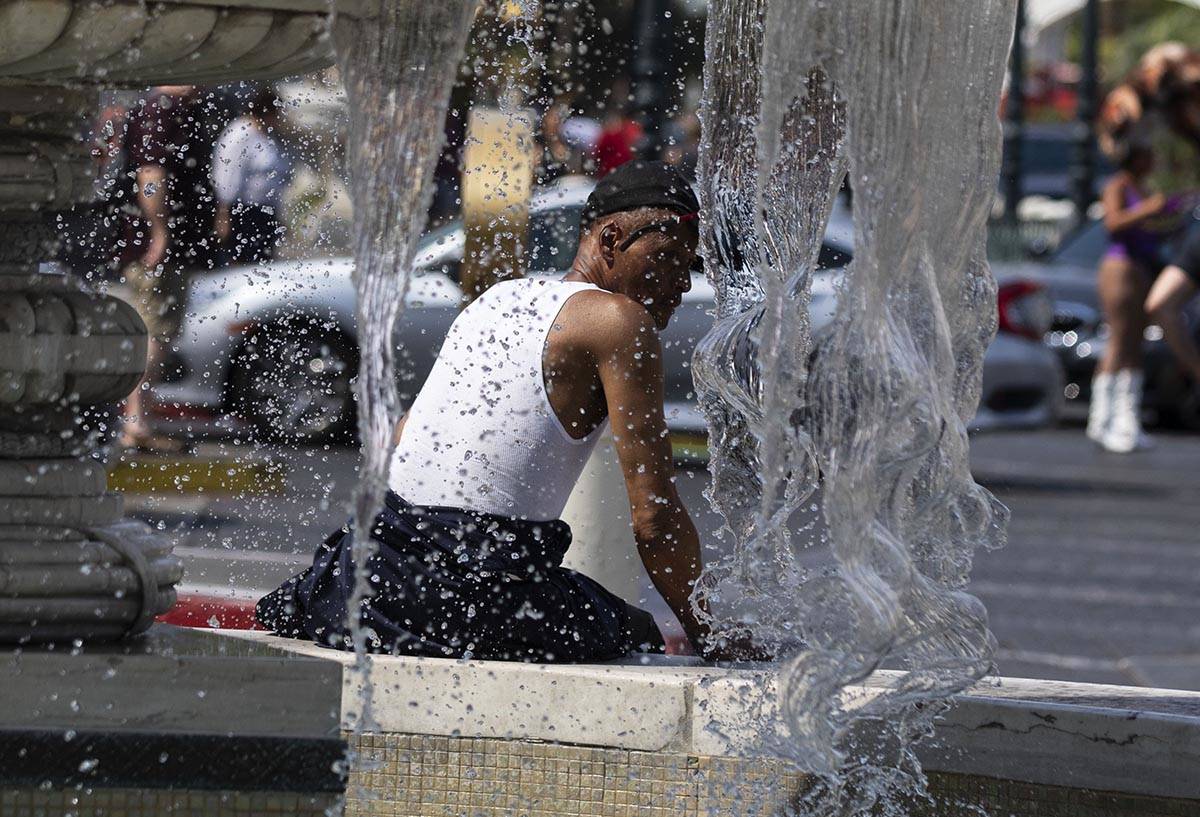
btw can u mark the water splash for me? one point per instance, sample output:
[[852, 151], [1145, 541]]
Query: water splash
[[902, 95], [763, 274], [398, 65]]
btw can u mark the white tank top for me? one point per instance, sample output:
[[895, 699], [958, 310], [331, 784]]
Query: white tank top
[[481, 434]]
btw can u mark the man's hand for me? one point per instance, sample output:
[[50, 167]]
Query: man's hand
[[729, 647]]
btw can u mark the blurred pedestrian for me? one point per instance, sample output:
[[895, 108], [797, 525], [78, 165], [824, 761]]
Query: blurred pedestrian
[[251, 170], [581, 135], [1134, 258], [617, 144], [568, 141], [1162, 92], [683, 143], [1171, 292], [91, 233], [555, 154], [168, 149]]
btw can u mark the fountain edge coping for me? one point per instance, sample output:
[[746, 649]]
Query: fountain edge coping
[[1123, 739]]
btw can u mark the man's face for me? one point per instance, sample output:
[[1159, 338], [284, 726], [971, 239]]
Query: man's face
[[654, 268]]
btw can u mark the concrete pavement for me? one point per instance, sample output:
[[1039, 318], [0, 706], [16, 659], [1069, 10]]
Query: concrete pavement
[[1101, 575]]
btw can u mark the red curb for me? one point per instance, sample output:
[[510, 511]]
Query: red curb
[[211, 613], [678, 645]]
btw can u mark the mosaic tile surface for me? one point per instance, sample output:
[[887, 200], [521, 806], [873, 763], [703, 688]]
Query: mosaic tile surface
[[423, 776]]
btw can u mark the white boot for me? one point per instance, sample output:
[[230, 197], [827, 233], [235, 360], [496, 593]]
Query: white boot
[[1124, 433], [1100, 406]]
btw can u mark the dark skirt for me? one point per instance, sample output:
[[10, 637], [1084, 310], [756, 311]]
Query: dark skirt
[[450, 583]]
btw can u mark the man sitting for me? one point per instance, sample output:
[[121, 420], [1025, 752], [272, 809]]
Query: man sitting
[[470, 546]]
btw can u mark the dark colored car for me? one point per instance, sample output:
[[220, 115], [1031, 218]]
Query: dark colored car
[[1079, 334], [1047, 156]]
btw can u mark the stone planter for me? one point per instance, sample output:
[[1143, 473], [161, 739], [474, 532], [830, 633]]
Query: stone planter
[[70, 566]]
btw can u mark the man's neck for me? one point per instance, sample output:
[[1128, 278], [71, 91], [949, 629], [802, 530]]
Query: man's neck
[[589, 269]]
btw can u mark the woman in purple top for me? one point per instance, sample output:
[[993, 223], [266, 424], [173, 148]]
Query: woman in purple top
[[1133, 260]]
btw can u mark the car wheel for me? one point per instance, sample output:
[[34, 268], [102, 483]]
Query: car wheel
[[293, 382]]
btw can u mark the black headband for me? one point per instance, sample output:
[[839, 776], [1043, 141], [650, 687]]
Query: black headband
[[663, 225]]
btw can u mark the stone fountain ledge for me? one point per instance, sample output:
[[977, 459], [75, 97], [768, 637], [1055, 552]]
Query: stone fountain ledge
[[176, 721], [1132, 750]]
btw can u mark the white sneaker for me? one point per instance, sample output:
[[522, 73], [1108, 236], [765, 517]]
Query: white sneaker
[[1100, 406], [1137, 385], [1124, 432]]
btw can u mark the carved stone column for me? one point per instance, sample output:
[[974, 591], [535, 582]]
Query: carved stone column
[[70, 567]]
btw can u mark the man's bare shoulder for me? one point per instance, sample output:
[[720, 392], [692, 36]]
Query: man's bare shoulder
[[607, 320]]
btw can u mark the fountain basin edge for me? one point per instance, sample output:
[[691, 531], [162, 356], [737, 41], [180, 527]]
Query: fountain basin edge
[[667, 730]]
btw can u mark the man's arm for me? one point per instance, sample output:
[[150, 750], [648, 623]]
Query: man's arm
[[629, 358], [1118, 216]]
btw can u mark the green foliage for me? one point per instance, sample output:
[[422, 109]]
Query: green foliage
[[1129, 28], [1173, 21]]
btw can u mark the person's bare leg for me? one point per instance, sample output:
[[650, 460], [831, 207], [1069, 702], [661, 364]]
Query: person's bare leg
[[135, 431], [1117, 385], [1122, 290], [1165, 303]]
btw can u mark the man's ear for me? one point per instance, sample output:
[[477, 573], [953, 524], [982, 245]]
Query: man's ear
[[610, 237]]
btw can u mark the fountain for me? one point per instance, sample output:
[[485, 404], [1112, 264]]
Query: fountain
[[163, 720], [878, 423], [243, 723]]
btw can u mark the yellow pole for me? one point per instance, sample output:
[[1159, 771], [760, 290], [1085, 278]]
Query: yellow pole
[[497, 184]]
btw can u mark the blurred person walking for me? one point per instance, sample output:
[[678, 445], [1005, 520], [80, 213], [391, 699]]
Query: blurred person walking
[[251, 170], [1171, 292], [92, 234], [568, 141], [168, 143], [1134, 258], [618, 143], [683, 143]]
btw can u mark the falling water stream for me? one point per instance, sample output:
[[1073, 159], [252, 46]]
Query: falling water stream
[[902, 96], [398, 66]]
